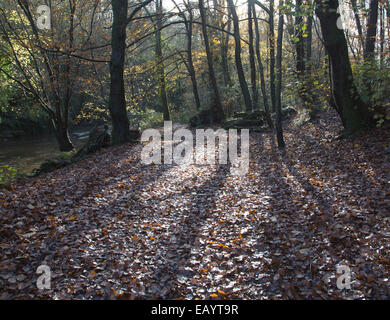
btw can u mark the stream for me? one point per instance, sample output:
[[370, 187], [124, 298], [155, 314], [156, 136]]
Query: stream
[[27, 153]]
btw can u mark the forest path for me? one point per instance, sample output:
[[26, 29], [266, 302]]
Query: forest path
[[109, 226]]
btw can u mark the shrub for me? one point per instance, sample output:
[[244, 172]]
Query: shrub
[[372, 79], [7, 173]]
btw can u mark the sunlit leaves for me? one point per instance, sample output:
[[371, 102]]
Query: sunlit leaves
[[112, 228]]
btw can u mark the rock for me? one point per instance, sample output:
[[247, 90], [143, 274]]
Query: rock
[[243, 124], [98, 138], [254, 115], [254, 121]]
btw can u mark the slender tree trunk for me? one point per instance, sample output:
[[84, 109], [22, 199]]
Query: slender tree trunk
[[387, 7], [224, 55], [188, 23], [255, 94], [117, 102], [237, 56], [261, 71], [191, 68], [353, 112], [272, 53], [278, 91], [358, 23], [311, 97], [60, 115], [300, 54], [160, 62], [299, 41], [369, 48], [62, 134], [309, 39], [217, 104], [382, 34]]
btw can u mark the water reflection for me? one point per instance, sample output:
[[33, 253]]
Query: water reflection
[[27, 153]]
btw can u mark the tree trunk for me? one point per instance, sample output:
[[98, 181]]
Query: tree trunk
[[300, 53], [313, 101], [369, 48], [217, 104], [358, 24], [62, 135], [191, 68], [272, 53], [382, 35], [160, 62], [237, 56], [353, 112], [278, 91], [188, 23], [255, 95], [117, 102], [309, 39], [387, 7], [224, 56], [65, 141], [261, 71], [299, 42]]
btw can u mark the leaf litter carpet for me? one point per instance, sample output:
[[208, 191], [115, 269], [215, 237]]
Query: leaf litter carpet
[[111, 228]]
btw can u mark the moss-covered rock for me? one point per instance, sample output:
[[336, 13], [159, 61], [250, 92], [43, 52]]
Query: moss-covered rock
[[98, 138]]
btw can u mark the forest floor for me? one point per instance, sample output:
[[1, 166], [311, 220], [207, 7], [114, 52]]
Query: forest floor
[[110, 227]]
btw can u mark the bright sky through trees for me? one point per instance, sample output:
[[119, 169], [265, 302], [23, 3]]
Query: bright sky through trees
[[169, 5]]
